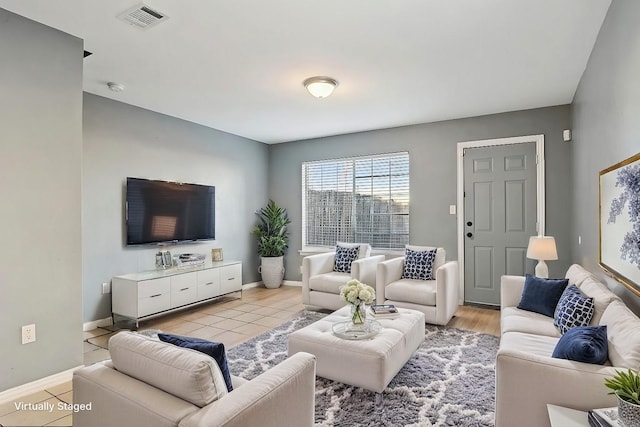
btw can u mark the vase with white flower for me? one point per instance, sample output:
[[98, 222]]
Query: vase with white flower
[[358, 294]]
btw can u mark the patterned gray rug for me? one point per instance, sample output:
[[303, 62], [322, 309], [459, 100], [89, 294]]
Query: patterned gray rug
[[449, 381]]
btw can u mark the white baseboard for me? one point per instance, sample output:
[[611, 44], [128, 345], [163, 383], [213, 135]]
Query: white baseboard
[[12, 394], [251, 285], [292, 283], [261, 285], [89, 326]]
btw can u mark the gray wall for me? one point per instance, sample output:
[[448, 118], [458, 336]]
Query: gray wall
[[40, 255], [120, 141], [606, 126], [432, 149]]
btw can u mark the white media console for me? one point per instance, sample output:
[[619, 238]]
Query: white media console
[[140, 296]]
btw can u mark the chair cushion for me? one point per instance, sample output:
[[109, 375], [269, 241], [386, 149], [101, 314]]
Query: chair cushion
[[188, 374], [344, 258], [329, 282], [211, 348], [586, 344], [365, 248], [574, 309], [541, 295], [422, 292], [419, 264], [441, 255]]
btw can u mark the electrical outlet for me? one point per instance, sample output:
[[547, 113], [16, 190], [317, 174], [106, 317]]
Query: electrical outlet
[[28, 333], [106, 288]]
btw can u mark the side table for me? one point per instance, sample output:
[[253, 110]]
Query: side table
[[560, 416]]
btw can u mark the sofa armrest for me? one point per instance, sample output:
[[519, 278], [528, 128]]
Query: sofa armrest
[[387, 272], [364, 269], [526, 383], [511, 288], [284, 395], [447, 287], [313, 265]]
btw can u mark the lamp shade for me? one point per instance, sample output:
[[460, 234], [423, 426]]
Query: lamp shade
[[320, 87], [542, 248]]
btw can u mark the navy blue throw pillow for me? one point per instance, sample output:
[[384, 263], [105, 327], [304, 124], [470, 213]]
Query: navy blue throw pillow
[[344, 257], [213, 349], [583, 344], [419, 264], [542, 295]]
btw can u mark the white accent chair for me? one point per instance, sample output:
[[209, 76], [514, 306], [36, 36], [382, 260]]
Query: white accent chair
[[321, 284], [437, 299]]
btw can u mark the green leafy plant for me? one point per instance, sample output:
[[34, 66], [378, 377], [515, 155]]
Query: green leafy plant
[[271, 232], [625, 385]]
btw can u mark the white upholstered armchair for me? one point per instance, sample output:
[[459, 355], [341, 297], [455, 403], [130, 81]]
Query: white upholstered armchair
[[436, 298], [321, 282]]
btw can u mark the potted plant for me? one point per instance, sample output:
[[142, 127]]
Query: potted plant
[[626, 387], [273, 239]]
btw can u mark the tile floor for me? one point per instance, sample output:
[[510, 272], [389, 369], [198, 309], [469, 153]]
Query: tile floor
[[229, 320]]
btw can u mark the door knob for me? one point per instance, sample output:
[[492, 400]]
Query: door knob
[[469, 234], [469, 223]]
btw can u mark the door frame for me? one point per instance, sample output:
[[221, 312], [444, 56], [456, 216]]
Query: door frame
[[540, 190]]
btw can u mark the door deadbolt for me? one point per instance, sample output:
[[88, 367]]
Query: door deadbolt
[[469, 234], [469, 223]]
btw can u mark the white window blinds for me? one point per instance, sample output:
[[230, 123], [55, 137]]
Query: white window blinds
[[361, 199]]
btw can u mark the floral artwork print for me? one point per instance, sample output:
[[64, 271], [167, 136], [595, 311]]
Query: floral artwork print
[[628, 179], [620, 222]]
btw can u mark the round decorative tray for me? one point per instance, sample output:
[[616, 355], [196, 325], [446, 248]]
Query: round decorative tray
[[349, 331]]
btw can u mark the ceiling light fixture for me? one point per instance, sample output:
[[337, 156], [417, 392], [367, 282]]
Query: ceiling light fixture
[[116, 87], [320, 87]]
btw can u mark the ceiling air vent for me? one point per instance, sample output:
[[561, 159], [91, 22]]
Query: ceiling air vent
[[142, 16]]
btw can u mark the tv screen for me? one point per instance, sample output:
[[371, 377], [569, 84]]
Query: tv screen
[[165, 212]]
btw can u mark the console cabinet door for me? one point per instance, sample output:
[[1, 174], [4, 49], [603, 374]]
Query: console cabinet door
[[153, 296], [230, 278], [208, 283], [183, 289]]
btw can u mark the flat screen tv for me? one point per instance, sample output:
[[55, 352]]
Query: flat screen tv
[[160, 212]]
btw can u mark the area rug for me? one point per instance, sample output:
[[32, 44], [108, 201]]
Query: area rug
[[449, 381]]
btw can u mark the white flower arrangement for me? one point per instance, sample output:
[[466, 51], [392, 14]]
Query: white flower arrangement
[[356, 293]]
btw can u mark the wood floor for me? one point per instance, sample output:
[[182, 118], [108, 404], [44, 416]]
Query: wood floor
[[229, 320]]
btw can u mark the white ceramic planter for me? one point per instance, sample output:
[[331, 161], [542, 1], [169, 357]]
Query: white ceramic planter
[[628, 413], [272, 271]]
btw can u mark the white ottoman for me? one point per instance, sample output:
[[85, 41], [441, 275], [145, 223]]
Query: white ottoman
[[370, 363]]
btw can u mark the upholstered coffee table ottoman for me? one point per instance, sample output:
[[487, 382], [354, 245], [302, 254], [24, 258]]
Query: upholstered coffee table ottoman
[[369, 363]]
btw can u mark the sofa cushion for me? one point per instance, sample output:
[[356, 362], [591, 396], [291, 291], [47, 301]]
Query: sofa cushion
[[187, 374], [422, 292], [515, 320], [541, 295], [344, 257], [210, 348], [577, 274], [441, 255], [538, 345], [623, 336], [419, 264], [574, 309], [329, 282], [601, 295], [583, 344]]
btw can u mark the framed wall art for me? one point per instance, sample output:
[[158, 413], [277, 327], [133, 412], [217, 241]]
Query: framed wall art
[[620, 222], [216, 254]]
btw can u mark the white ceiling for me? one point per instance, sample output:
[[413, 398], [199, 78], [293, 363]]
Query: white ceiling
[[238, 65]]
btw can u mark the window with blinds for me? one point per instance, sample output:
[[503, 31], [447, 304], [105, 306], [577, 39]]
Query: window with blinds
[[360, 199]]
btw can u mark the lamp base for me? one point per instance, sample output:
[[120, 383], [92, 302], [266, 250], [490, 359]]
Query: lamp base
[[542, 270]]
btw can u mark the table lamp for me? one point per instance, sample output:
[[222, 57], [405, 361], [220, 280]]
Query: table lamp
[[542, 248]]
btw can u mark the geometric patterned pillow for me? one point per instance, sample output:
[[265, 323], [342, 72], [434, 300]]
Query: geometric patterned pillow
[[573, 309], [419, 264], [344, 258]]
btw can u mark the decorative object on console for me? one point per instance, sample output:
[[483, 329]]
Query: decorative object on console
[[542, 248], [216, 255], [620, 222], [273, 240], [542, 295], [357, 294], [626, 387]]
